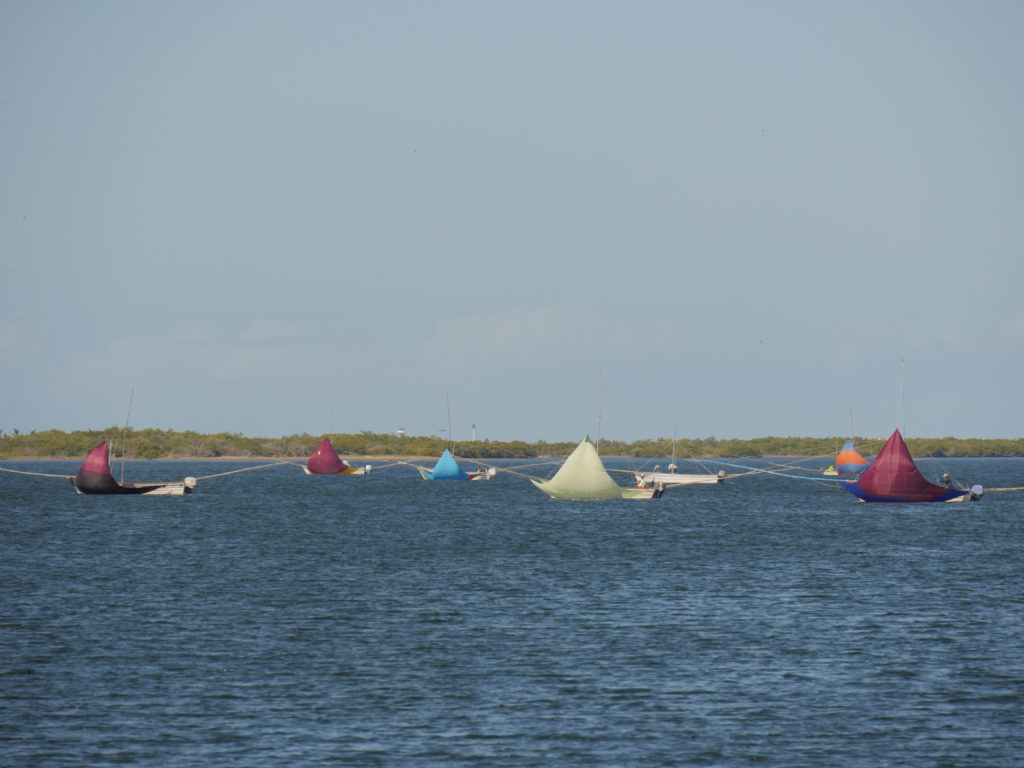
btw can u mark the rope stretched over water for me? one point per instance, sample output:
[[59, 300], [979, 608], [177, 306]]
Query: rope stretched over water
[[377, 467], [522, 474], [760, 471], [249, 469], [512, 470], [37, 474], [517, 466], [393, 463]]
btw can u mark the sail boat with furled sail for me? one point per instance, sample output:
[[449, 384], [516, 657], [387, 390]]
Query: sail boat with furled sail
[[894, 477], [673, 477]]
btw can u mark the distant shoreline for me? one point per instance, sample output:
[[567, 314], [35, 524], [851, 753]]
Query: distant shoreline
[[301, 461], [150, 444]]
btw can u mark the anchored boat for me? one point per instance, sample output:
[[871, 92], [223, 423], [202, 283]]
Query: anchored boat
[[583, 476], [849, 461], [326, 461], [94, 477], [447, 468], [894, 477]]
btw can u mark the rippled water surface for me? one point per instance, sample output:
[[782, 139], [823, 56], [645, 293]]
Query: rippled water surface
[[277, 619]]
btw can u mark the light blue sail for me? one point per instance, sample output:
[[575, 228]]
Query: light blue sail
[[446, 468]]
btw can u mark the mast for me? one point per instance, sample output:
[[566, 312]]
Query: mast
[[903, 397], [451, 439], [675, 429], [124, 433], [600, 392]]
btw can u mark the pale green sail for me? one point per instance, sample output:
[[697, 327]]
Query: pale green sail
[[583, 476]]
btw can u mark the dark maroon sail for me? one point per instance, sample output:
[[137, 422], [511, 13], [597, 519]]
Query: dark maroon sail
[[893, 476], [325, 460]]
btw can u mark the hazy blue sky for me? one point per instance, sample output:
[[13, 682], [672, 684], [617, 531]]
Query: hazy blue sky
[[280, 217]]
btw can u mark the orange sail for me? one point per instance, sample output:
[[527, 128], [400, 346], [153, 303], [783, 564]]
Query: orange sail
[[849, 461]]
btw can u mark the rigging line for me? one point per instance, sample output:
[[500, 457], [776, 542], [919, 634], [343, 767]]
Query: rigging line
[[36, 474], [364, 457], [743, 474], [650, 472], [387, 466], [250, 469], [523, 474], [759, 471], [683, 474], [392, 462], [408, 464], [515, 466], [504, 469]]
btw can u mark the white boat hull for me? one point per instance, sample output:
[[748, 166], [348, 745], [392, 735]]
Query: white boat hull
[[668, 479]]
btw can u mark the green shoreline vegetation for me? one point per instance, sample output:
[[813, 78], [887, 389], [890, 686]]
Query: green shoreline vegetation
[[170, 444]]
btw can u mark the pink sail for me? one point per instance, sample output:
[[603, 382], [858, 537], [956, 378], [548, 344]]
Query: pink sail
[[94, 477], [98, 460], [94, 474], [325, 460], [893, 476]]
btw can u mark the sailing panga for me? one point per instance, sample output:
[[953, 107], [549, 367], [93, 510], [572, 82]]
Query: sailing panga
[[326, 461], [94, 477], [583, 476], [894, 477]]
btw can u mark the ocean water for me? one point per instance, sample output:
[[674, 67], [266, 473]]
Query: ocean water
[[275, 619]]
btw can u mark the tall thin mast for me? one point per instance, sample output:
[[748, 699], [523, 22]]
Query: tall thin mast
[[675, 430], [600, 392], [124, 433], [451, 439], [903, 397]]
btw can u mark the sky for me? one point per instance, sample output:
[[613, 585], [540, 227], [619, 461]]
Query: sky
[[730, 219]]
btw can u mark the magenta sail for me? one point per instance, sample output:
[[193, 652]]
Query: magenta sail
[[94, 477], [894, 477], [325, 460]]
